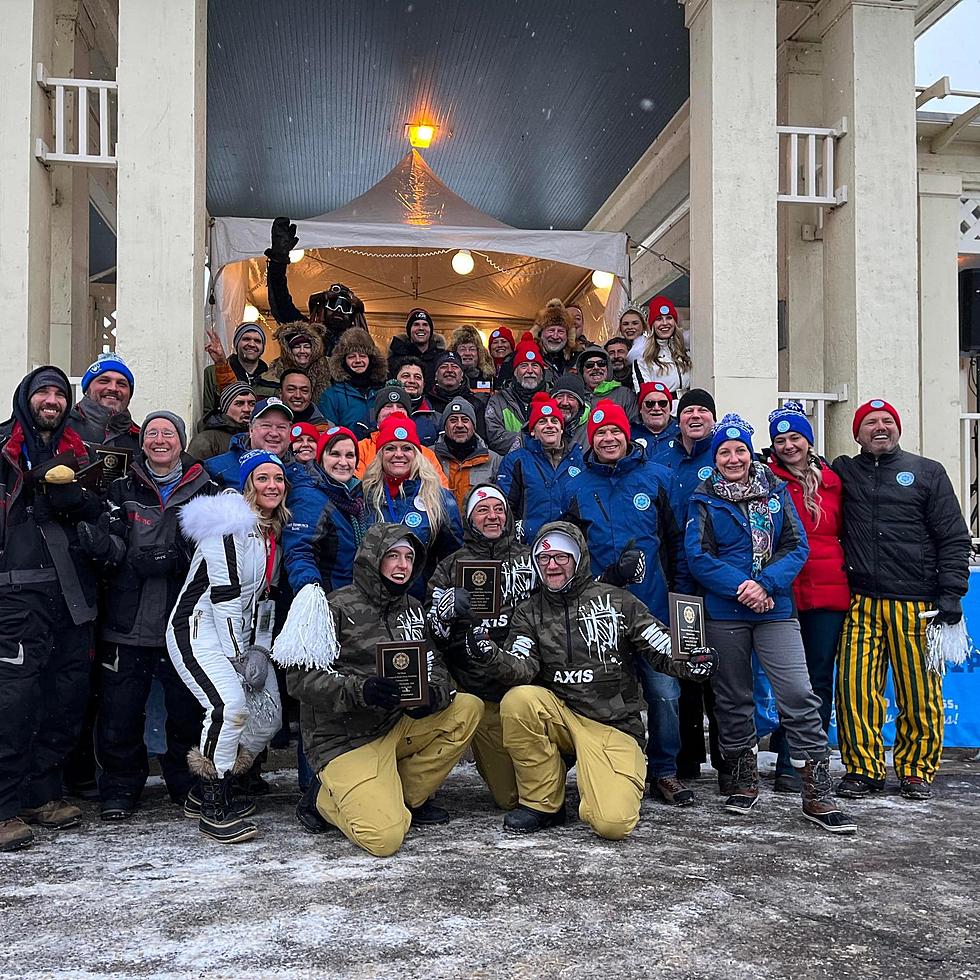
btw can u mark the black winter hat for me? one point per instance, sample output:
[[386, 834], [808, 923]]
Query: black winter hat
[[573, 384], [392, 394], [697, 396]]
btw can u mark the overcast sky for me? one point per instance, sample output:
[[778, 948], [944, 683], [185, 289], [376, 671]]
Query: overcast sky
[[951, 47]]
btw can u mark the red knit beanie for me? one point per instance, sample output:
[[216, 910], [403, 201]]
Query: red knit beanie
[[875, 405], [661, 306], [303, 429], [334, 434], [528, 351], [397, 428], [543, 406], [506, 333], [607, 412], [655, 387]]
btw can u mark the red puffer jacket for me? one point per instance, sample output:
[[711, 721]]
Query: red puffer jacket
[[822, 582]]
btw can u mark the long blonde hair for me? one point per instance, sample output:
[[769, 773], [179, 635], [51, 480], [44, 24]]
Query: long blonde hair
[[676, 346], [430, 489], [279, 518], [810, 477]]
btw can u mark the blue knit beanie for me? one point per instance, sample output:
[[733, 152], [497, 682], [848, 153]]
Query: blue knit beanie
[[790, 418], [108, 362], [732, 426], [252, 460]]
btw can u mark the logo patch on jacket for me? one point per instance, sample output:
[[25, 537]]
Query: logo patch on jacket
[[413, 519], [642, 501], [704, 472], [905, 479], [573, 471], [774, 506]]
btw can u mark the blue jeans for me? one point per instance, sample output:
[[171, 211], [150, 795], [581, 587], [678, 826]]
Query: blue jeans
[[820, 631], [661, 692]]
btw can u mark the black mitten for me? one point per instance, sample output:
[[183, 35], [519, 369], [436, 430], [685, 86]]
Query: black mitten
[[284, 240], [95, 538], [381, 692]]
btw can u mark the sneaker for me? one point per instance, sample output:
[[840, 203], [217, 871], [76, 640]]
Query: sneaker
[[15, 834], [429, 813], [113, 810], [855, 786], [524, 820], [53, 815], [671, 790], [787, 782], [818, 801], [915, 788]]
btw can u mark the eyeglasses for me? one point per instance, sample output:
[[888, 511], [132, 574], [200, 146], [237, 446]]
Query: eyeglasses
[[659, 404], [560, 558], [594, 365]]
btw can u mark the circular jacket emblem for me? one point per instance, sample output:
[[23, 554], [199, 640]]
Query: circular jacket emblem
[[419, 504], [732, 432], [401, 433], [704, 472], [412, 519], [573, 471], [774, 506], [783, 426], [598, 416], [642, 501], [905, 478]]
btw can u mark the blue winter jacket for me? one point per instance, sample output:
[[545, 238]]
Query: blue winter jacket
[[406, 508], [718, 546], [627, 504], [225, 469], [656, 444], [533, 486], [320, 540], [687, 471], [351, 407]]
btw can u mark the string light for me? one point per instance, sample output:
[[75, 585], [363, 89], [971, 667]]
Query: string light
[[463, 262], [602, 280], [296, 255]]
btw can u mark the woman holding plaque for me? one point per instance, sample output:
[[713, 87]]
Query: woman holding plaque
[[402, 487], [220, 634], [380, 746], [745, 545]]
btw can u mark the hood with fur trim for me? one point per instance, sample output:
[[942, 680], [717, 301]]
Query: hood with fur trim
[[555, 313], [317, 369], [214, 517], [357, 341], [467, 334]]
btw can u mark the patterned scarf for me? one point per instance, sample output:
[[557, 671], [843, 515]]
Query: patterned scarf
[[350, 502], [754, 496]]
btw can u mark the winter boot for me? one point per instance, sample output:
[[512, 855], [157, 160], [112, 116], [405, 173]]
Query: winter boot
[[15, 834], [671, 790], [818, 799], [53, 815], [854, 786], [428, 813], [307, 813], [524, 820], [745, 782], [914, 788], [218, 818]]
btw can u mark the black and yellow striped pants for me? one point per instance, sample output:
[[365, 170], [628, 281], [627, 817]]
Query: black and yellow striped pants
[[878, 634]]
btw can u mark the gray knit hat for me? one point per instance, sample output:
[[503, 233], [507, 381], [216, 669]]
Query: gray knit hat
[[248, 327], [175, 420], [230, 392], [459, 406]]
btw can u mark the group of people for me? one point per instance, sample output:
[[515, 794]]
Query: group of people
[[330, 503]]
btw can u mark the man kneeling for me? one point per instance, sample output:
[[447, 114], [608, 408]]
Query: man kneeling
[[379, 763], [577, 639]]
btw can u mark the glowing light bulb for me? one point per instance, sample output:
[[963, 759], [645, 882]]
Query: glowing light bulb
[[250, 314], [296, 255], [421, 136], [602, 280], [463, 262]]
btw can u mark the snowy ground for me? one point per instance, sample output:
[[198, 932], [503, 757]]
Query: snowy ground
[[694, 893]]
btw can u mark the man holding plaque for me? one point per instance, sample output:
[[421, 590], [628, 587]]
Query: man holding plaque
[[570, 661], [381, 741], [487, 578]]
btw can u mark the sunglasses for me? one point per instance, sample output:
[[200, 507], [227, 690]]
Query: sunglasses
[[657, 404], [594, 365]]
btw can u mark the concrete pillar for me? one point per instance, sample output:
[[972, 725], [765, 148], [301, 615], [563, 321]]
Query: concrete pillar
[[733, 202], [161, 206], [939, 342], [25, 198], [871, 340], [800, 268]]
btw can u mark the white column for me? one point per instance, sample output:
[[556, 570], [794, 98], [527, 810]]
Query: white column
[[733, 203], [25, 199], [939, 362], [870, 261], [161, 207]]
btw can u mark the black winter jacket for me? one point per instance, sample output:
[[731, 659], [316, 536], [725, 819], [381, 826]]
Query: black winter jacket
[[904, 536], [136, 603]]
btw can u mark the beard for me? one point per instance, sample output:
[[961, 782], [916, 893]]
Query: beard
[[43, 424], [528, 382]]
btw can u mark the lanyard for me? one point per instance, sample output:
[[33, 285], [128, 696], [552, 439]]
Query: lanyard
[[270, 560], [390, 504]]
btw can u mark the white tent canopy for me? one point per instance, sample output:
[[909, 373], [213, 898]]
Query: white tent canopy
[[393, 246]]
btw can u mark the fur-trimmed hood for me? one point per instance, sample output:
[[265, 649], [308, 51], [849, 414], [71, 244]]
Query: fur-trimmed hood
[[214, 517], [467, 334], [357, 341], [317, 369]]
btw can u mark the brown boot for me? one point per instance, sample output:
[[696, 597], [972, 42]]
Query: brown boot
[[53, 815], [745, 782], [818, 799], [15, 834]]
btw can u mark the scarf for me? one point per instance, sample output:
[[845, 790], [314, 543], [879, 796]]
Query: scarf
[[754, 498], [358, 381], [111, 423], [167, 482], [462, 450], [350, 504]]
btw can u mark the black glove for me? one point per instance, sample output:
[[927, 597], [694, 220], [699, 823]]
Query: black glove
[[950, 613], [284, 240], [381, 692], [453, 604], [254, 667], [479, 649], [629, 568], [95, 538], [154, 562], [64, 497], [702, 663]]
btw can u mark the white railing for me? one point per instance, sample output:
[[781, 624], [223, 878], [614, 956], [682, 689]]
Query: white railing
[[815, 405], [807, 165], [74, 144], [968, 432], [970, 224]]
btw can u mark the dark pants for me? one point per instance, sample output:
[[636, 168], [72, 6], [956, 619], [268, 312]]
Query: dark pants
[[820, 631], [79, 768], [45, 660], [696, 701], [126, 675]]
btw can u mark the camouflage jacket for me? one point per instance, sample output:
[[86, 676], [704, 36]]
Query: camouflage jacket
[[519, 580], [580, 644], [333, 716]]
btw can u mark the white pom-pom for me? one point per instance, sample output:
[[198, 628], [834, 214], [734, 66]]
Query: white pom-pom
[[308, 638], [946, 644]]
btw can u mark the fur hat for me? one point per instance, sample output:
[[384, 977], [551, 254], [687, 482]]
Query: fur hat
[[358, 341], [468, 334], [554, 314]]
